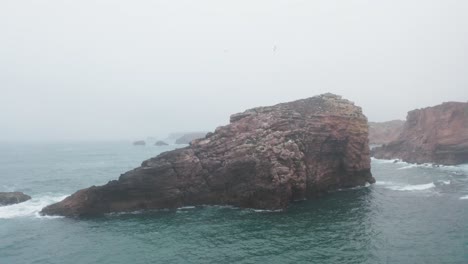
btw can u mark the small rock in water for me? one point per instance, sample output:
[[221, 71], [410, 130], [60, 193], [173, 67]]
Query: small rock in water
[[160, 143], [139, 143], [8, 198]]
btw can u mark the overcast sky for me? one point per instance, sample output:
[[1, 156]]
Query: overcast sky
[[91, 70]]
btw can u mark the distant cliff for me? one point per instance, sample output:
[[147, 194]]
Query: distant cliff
[[265, 158], [384, 132], [189, 137], [437, 134]]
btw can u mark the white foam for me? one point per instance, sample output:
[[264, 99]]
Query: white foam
[[30, 208], [417, 187], [385, 160], [408, 167], [455, 168], [464, 197], [384, 183], [128, 213], [267, 211], [460, 167], [366, 185], [186, 208], [246, 209], [423, 165]]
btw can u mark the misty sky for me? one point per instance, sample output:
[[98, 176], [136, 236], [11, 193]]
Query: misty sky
[[115, 69]]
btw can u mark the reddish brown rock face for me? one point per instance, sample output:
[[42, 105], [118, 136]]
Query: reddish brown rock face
[[384, 132], [436, 134], [265, 158]]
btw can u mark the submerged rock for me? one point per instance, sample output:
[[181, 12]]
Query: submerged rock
[[265, 158], [384, 132], [437, 134], [139, 143], [160, 143], [7, 198]]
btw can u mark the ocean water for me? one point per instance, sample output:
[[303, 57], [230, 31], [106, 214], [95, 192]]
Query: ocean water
[[413, 214]]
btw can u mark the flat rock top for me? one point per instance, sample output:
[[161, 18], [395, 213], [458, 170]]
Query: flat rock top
[[326, 104]]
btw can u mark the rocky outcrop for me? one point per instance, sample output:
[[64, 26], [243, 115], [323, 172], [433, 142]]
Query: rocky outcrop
[[384, 132], [139, 143], [436, 134], [189, 137], [265, 158], [160, 143], [8, 198]]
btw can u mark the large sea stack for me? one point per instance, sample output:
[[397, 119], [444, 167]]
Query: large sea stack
[[436, 134], [265, 158]]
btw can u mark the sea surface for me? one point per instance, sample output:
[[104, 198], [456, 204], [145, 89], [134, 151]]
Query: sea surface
[[413, 214]]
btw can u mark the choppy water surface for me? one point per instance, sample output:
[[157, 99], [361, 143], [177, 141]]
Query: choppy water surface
[[413, 214]]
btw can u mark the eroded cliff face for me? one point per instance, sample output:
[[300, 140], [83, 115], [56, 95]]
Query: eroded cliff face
[[265, 158], [436, 134], [385, 132]]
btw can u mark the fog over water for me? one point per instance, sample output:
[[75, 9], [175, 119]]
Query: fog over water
[[93, 70]]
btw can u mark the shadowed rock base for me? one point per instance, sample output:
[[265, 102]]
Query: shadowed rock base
[[265, 158]]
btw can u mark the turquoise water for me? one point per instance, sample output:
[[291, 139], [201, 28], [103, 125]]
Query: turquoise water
[[413, 214]]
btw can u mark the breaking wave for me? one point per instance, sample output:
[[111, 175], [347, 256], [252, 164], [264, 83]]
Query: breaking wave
[[417, 187], [385, 160], [407, 187], [30, 208], [445, 182], [460, 167], [456, 168]]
